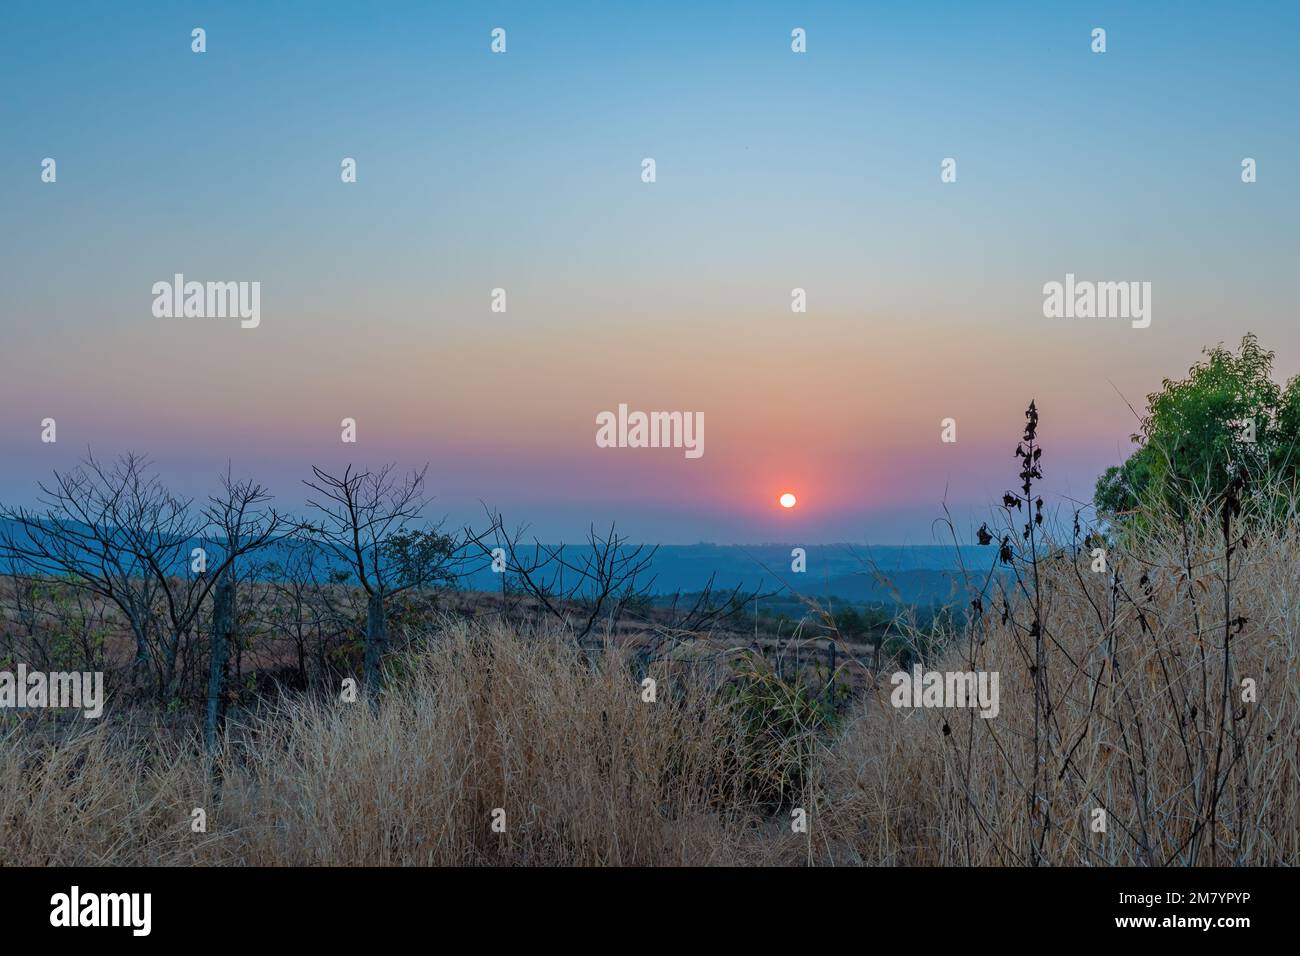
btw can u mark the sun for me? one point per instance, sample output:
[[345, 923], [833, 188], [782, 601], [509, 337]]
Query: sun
[[787, 500]]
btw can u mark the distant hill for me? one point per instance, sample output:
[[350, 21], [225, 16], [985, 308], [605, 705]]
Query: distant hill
[[920, 574], [869, 573]]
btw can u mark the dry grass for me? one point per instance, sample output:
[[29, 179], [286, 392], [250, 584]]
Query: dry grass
[[586, 772], [1137, 723], [589, 774]]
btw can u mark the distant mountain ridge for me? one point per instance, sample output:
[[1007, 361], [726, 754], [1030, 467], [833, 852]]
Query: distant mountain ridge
[[859, 572], [918, 573]]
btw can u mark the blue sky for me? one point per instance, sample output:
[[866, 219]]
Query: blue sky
[[775, 170]]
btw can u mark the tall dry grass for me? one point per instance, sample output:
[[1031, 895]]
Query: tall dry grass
[[1145, 717], [586, 772], [1132, 721]]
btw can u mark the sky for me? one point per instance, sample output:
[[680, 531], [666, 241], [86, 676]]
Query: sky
[[522, 170]]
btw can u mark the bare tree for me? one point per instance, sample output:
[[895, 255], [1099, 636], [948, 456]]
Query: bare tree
[[602, 582], [117, 532], [367, 523], [104, 529], [243, 524], [302, 607], [580, 588]]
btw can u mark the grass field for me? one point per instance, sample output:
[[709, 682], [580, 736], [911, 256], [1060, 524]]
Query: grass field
[[1136, 711]]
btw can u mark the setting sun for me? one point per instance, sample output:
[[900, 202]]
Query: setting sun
[[787, 500]]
